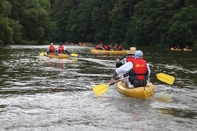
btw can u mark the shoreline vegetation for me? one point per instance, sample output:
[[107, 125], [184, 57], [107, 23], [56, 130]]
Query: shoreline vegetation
[[130, 23]]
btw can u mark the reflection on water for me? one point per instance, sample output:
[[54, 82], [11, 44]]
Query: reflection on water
[[38, 93]]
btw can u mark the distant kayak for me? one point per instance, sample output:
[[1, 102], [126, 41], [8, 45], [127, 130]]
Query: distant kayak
[[175, 49], [138, 92], [123, 52], [185, 49]]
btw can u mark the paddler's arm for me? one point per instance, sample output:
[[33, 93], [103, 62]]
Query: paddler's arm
[[67, 52], [149, 71], [113, 78]]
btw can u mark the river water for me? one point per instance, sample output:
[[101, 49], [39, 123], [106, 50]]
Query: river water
[[42, 94]]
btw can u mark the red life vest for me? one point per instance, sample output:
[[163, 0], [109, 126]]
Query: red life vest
[[97, 47], [119, 47], [140, 68], [61, 49], [106, 47], [51, 49], [130, 58]]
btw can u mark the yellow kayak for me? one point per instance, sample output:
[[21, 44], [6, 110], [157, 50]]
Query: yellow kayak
[[185, 49], [175, 49], [139, 92], [59, 56], [123, 52]]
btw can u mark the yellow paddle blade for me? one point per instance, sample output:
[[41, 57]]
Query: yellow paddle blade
[[42, 53], [165, 78], [100, 89], [73, 54]]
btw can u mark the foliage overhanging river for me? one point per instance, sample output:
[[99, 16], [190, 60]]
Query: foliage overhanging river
[[38, 93]]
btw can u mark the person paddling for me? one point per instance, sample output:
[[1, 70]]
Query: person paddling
[[137, 71], [62, 49], [130, 57], [51, 49]]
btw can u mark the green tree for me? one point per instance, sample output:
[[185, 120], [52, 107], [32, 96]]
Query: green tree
[[72, 26], [118, 26], [5, 30], [183, 27], [151, 22], [62, 15], [100, 20], [85, 33], [33, 15]]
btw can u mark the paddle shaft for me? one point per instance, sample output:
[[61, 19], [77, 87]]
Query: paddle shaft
[[115, 82], [119, 80], [102, 88]]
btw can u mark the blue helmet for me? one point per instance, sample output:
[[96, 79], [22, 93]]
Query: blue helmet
[[138, 54]]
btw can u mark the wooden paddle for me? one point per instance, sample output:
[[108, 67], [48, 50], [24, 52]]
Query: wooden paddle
[[102, 88]]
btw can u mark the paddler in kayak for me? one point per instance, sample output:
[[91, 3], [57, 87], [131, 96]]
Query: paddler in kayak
[[130, 57], [115, 46], [120, 47], [99, 46], [137, 71], [61, 49], [51, 49]]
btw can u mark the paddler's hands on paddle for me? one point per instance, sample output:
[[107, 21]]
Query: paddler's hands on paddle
[[71, 54], [112, 81], [67, 52], [117, 59]]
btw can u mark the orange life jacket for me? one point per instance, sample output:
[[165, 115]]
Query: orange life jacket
[[139, 71], [51, 49], [140, 68], [130, 58], [119, 47], [106, 47], [97, 47], [61, 49]]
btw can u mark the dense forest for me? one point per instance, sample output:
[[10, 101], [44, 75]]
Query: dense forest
[[162, 23]]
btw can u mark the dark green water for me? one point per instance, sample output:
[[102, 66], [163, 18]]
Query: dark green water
[[38, 93]]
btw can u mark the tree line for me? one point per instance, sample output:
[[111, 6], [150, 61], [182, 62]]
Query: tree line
[[128, 22]]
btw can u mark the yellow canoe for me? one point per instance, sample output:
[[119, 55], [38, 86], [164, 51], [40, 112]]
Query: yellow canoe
[[139, 92], [185, 49], [123, 52], [175, 49], [59, 56]]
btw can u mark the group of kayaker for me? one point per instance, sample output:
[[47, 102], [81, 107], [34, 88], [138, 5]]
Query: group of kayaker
[[178, 47], [133, 70], [59, 50], [116, 47]]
